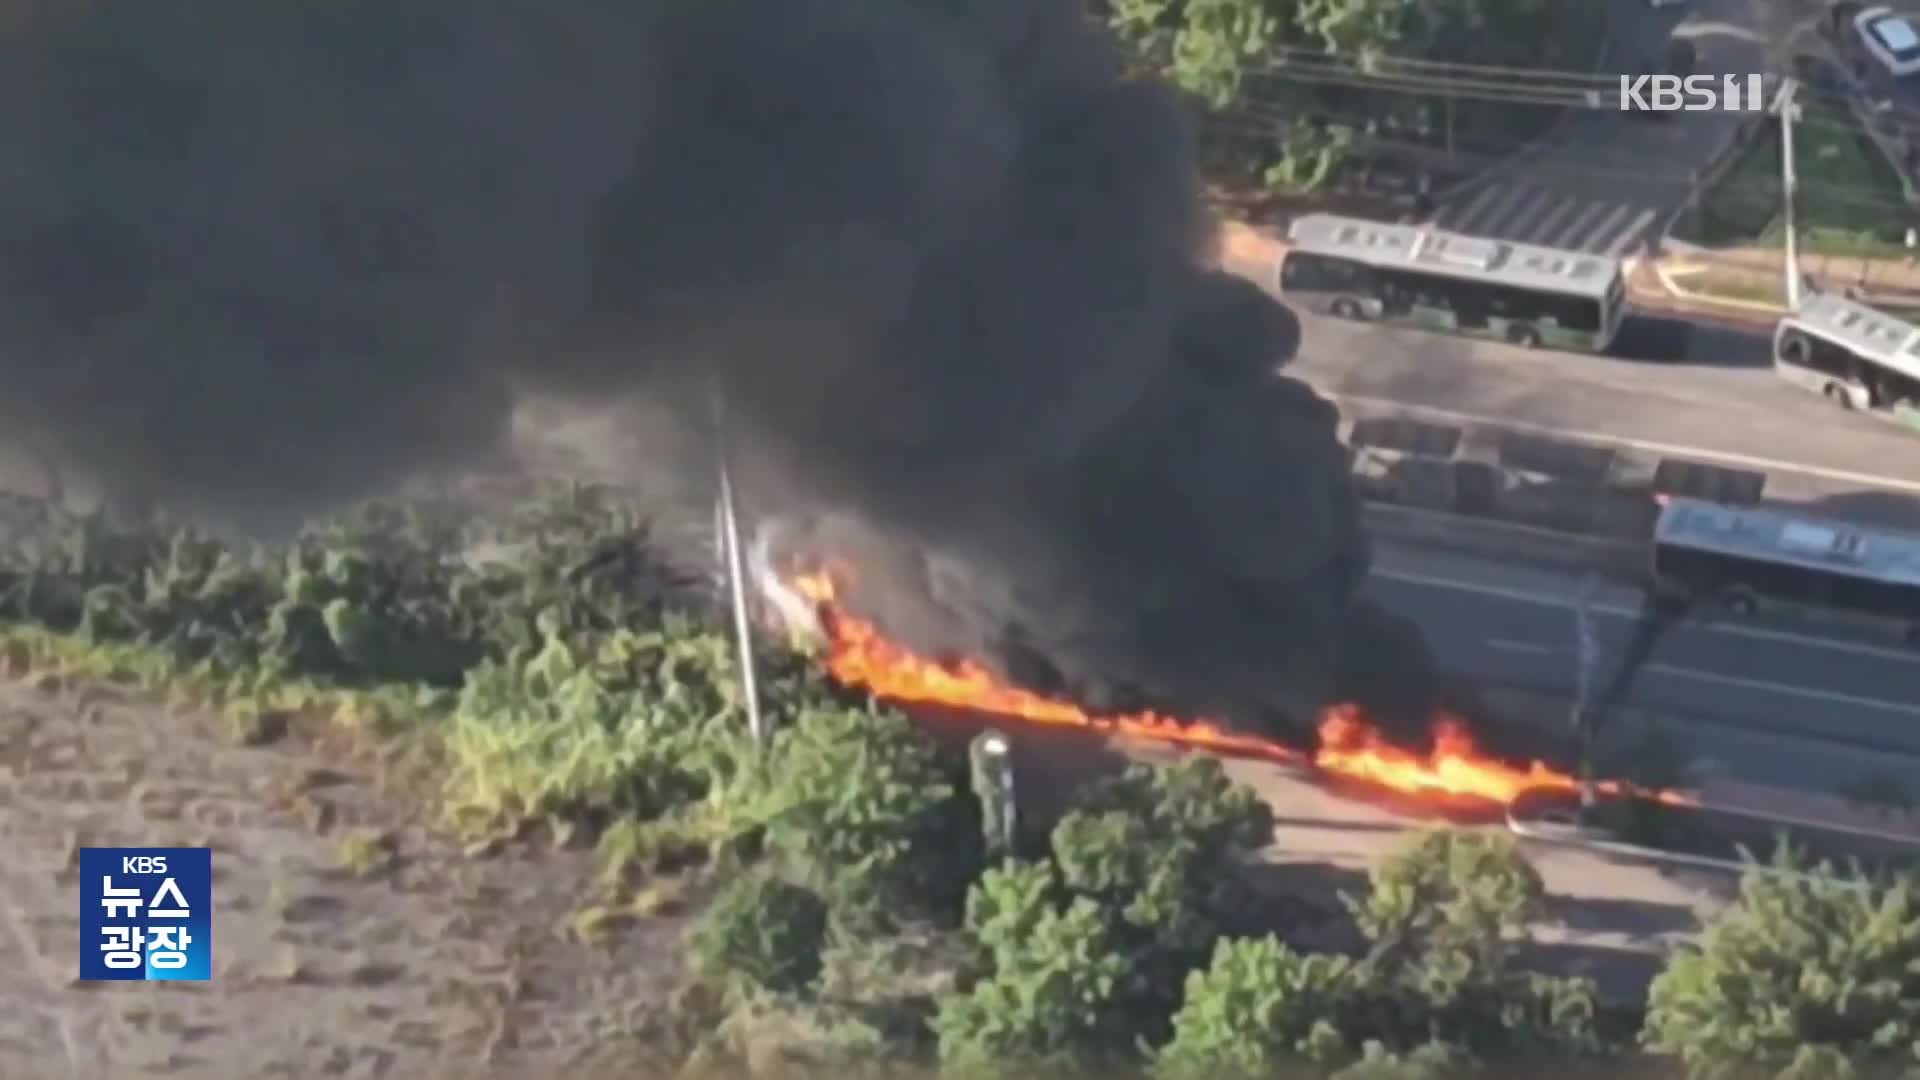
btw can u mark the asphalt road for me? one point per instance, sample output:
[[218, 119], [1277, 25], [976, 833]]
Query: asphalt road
[[1676, 387], [1608, 180], [1776, 702]]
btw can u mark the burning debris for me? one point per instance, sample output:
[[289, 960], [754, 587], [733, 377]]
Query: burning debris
[[1350, 746]]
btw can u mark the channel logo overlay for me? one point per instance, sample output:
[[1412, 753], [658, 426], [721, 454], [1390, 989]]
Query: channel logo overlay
[[146, 914]]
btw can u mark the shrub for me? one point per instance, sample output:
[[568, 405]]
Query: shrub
[[1047, 1004], [862, 804], [1443, 920], [1258, 1007], [638, 726], [1809, 973], [762, 933]]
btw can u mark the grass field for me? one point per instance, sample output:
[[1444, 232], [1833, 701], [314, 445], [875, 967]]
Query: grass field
[[1851, 200]]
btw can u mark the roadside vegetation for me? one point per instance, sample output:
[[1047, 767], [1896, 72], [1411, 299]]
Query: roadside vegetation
[[1851, 201], [1292, 107], [849, 916]]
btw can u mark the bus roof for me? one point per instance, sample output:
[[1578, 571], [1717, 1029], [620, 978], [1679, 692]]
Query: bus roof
[[1870, 332], [1822, 544], [1527, 266]]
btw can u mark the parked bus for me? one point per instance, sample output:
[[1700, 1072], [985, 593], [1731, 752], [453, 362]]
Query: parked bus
[[1752, 558], [1423, 277], [1859, 358]]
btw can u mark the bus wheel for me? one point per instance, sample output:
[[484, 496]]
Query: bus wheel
[[1347, 308], [1838, 395], [1524, 336]]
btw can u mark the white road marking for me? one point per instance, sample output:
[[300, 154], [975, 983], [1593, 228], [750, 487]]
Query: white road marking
[[1460, 218], [1603, 229], [1523, 596], [1911, 487], [1630, 235], [1787, 689], [1509, 645], [1545, 229]]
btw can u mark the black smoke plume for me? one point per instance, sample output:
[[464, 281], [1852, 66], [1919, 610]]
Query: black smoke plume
[[948, 263]]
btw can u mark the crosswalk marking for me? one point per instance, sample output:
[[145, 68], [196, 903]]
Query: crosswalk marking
[[1579, 225], [1603, 229], [1523, 212], [1552, 221], [1630, 235], [1459, 220]]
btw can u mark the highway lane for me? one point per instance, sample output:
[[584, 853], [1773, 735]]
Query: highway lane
[[1780, 702], [1716, 394]]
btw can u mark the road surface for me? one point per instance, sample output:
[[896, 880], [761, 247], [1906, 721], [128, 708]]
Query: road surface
[[1677, 388], [1799, 704], [1609, 180]]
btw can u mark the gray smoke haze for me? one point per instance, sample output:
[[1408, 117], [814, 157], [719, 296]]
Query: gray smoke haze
[[947, 260]]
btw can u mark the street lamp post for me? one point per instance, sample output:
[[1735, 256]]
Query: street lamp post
[[729, 524], [1789, 111], [1586, 659]]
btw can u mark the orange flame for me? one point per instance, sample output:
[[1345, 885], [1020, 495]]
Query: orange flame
[[1350, 747]]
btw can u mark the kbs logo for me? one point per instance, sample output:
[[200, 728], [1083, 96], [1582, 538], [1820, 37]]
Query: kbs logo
[[146, 913], [1695, 93]]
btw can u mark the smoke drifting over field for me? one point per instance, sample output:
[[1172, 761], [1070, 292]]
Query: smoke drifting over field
[[947, 261]]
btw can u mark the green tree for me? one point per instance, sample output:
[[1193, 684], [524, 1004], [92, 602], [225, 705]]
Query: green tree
[[1158, 850], [1444, 919], [1256, 1009], [761, 933], [1047, 1004], [861, 803], [1809, 973]]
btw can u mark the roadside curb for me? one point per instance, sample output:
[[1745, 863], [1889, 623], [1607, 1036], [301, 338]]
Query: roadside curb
[[1691, 296]]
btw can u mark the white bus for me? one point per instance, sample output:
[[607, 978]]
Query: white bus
[[1752, 558], [1424, 277], [1859, 358]]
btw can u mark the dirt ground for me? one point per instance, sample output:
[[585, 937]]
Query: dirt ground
[[435, 964]]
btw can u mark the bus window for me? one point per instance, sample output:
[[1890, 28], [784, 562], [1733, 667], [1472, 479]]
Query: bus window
[[1572, 312], [1818, 354], [1309, 272], [1890, 388]]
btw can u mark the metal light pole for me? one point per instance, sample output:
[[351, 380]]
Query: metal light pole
[[1789, 110], [991, 758], [1586, 659], [729, 523]]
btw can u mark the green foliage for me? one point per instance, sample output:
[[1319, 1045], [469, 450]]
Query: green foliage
[[1443, 920], [641, 724], [1809, 973], [862, 804], [1301, 66], [1048, 1003], [1256, 1009], [1428, 1061], [762, 933], [1451, 892], [1160, 848]]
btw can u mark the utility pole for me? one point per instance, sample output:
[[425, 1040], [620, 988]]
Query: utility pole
[[1586, 659], [730, 547], [1789, 110]]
